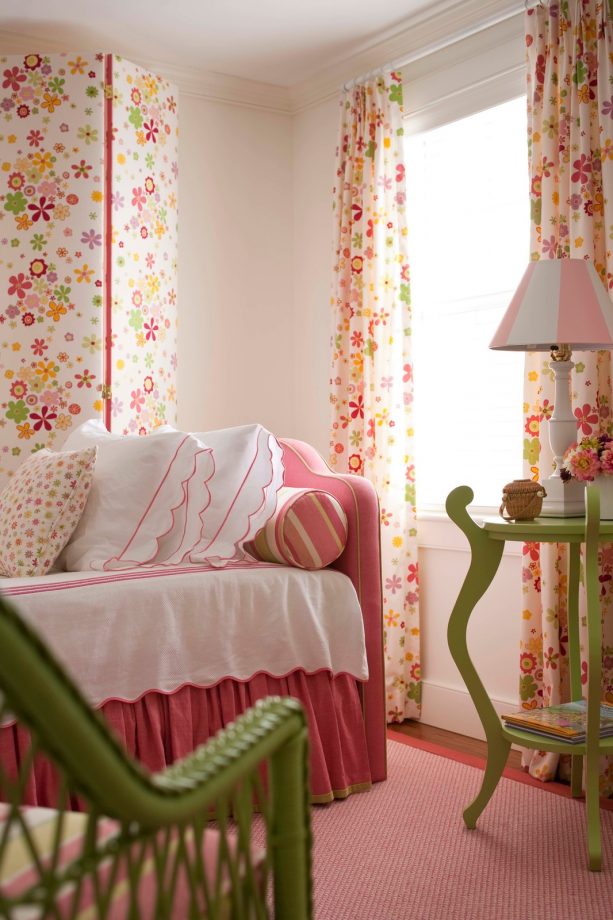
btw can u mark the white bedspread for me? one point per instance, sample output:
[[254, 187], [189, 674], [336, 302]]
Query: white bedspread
[[121, 634]]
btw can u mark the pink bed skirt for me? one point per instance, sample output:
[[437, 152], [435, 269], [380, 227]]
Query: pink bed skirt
[[161, 728]]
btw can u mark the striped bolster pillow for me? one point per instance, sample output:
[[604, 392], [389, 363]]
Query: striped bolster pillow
[[307, 530]]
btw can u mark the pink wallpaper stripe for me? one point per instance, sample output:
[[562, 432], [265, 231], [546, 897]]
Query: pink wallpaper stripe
[[108, 231]]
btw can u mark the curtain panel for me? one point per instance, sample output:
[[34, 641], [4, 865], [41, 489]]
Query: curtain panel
[[371, 381], [570, 138]]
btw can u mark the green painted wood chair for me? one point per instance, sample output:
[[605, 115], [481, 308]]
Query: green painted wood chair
[[145, 845]]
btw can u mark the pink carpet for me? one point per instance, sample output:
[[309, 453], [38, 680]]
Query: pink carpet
[[401, 851]]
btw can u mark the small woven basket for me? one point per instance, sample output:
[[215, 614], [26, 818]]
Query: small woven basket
[[522, 500]]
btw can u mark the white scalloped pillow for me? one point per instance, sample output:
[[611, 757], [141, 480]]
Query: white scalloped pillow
[[40, 508], [146, 499]]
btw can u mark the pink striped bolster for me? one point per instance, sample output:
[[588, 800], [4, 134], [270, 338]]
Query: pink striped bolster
[[308, 530]]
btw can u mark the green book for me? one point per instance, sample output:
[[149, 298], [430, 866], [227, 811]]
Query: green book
[[568, 721]]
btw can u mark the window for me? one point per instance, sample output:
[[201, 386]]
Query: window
[[468, 218]]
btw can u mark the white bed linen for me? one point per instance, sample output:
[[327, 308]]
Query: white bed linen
[[121, 634]]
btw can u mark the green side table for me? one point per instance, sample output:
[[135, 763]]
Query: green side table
[[486, 545]]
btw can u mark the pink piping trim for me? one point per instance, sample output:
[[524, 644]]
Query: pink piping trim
[[201, 513], [151, 558], [135, 576], [153, 498], [108, 215], [264, 488], [234, 500]]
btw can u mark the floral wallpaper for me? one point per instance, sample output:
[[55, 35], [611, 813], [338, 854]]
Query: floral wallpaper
[[144, 250], [62, 263], [570, 137], [51, 249], [372, 378]]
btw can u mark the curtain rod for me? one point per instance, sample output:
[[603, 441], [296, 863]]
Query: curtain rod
[[479, 26]]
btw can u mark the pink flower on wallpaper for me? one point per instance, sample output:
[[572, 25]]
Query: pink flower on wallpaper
[[44, 419], [138, 400], [42, 209], [18, 285], [138, 198], [13, 78], [152, 328], [151, 131]]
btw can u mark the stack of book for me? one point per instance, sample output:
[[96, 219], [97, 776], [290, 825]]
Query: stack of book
[[566, 722]]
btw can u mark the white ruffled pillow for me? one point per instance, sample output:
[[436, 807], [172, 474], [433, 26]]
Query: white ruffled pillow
[[146, 500], [173, 498], [248, 475]]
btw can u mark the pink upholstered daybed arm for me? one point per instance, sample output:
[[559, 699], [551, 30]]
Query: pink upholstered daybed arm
[[361, 562]]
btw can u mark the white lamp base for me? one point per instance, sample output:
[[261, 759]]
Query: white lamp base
[[564, 499]]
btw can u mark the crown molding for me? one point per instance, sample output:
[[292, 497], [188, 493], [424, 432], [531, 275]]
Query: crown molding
[[192, 81], [424, 33], [419, 35]]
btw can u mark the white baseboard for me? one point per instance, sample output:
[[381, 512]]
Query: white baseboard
[[453, 709]]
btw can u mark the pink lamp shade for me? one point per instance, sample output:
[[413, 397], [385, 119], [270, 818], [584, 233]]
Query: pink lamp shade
[[558, 301]]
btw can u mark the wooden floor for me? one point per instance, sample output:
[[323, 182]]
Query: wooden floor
[[451, 740]]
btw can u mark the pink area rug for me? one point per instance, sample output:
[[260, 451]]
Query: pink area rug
[[401, 851]]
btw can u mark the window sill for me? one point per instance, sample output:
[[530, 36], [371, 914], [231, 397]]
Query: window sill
[[435, 531]]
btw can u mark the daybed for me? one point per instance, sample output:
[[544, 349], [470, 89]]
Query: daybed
[[155, 648]]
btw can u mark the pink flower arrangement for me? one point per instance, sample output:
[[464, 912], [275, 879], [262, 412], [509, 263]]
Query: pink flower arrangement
[[587, 458]]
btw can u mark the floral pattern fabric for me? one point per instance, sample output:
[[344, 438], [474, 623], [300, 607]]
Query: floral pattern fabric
[[70, 254], [40, 508], [143, 282], [371, 383], [570, 125]]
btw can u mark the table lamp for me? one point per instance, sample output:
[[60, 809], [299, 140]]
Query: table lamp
[[560, 304]]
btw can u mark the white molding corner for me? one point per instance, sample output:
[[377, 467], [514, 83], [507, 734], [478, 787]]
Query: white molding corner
[[190, 80], [420, 35], [429, 30]]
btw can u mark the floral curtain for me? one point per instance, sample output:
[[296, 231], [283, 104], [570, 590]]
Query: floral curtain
[[570, 136], [371, 383]]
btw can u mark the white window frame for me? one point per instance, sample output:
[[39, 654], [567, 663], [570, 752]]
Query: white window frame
[[473, 74]]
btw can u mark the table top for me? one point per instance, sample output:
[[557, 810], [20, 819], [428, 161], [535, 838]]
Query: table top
[[544, 529]]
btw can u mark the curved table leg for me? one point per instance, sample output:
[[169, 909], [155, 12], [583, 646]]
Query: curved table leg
[[594, 674], [485, 559], [574, 657]]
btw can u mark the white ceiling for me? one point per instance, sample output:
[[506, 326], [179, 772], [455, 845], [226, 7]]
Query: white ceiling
[[282, 42]]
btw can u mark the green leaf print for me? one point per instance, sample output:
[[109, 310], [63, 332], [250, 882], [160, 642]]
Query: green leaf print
[[580, 72], [414, 692], [136, 320], [135, 117], [536, 209], [405, 293], [409, 493], [15, 202], [370, 150], [527, 687], [396, 93], [532, 450], [62, 293], [17, 411], [369, 348]]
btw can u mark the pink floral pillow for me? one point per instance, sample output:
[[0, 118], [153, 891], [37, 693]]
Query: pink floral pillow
[[40, 507]]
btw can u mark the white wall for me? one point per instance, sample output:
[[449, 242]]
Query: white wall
[[314, 141], [235, 264]]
